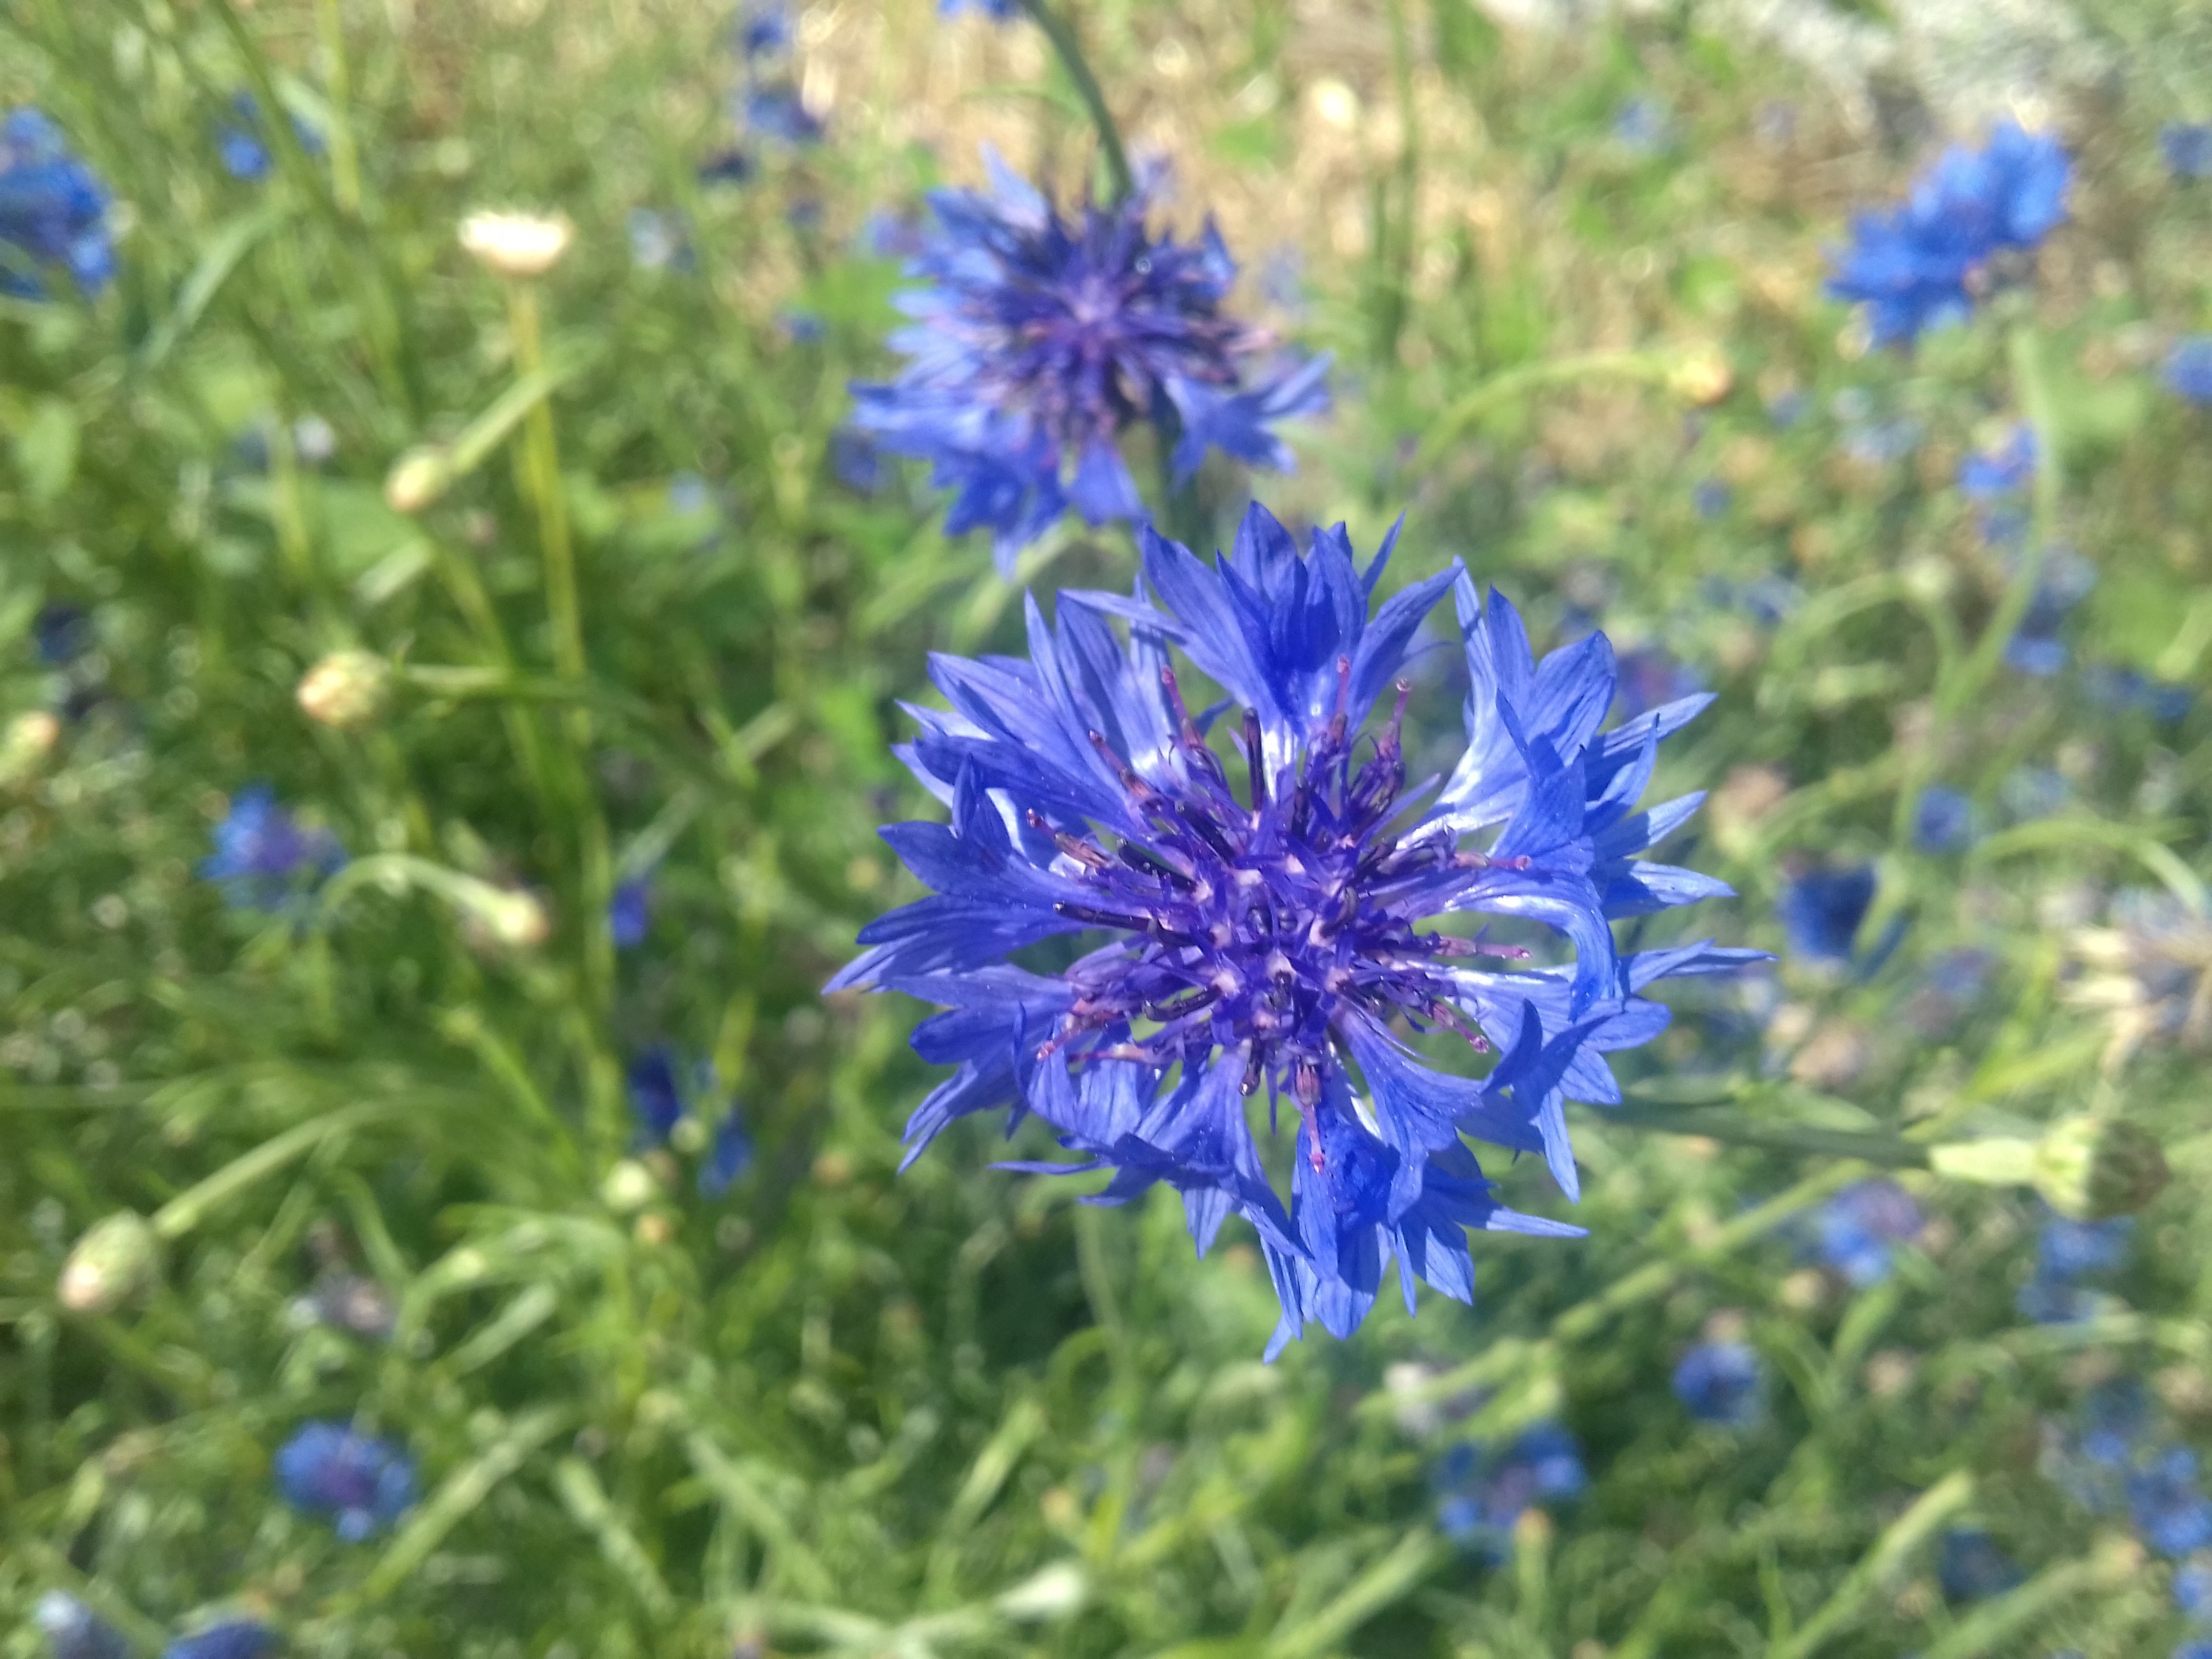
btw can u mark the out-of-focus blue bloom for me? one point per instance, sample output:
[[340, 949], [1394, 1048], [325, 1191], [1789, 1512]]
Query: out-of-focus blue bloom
[[998, 11], [1882, 443], [75, 1632], [658, 241], [729, 1156], [728, 167], [804, 214], [888, 235], [762, 30], [2035, 646], [363, 1483], [1970, 1565], [1988, 474], [1949, 986], [1856, 1231], [2115, 1418], [1481, 1493], [776, 112], [2193, 1651], [1765, 598], [2167, 1506], [62, 632], [2187, 146], [1643, 126], [858, 465], [630, 912], [1650, 678], [236, 1638], [1943, 820], [263, 859], [1711, 499], [2192, 1588], [53, 210], [1719, 1383], [1036, 342], [1821, 910], [1266, 938], [2124, 688], [2066, 1253], [2189, 369], [238, 142], [1927, 260], [802, 327], [656, 1094]]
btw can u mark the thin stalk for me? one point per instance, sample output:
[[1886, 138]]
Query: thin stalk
[[1731, 1128], [542, 459], [345, 158], [1070, 52], [1505, 386]]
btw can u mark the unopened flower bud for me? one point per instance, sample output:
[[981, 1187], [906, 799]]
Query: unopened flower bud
[[517, 244], [114, 1260], [1703, 377], [629, 1186], [417, 479], [2093, 1168], [345, 689]]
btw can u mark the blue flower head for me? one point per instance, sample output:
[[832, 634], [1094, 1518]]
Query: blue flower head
[[1988, 474], [1971, 1565], [62, 633], [630, 912], [75, 1632], [2068, 1252], [2189, 369], [2167, 1506], [762, 30], [1943, 819], [1037, 341], [2192, 1590], [360, 1482], [1260, 934], [53, 210], [262, 859], [1719, 1383], [1856, 1231], [2187, 146], [1821, 910], [656, 1095], [998, 11], [239, 145], [1927, 260], [728, 1155], [777, 113], [1484, 1492], [235, 1639]]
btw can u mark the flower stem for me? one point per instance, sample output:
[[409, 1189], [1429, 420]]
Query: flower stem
[[1891, 1151], [543, 463], [1070, 50]]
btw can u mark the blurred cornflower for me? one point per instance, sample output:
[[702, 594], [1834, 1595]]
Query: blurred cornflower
[[2067, 1252], [62, 633], [998, 11], [75, 1632], [2113, 688], [656, 1094], [762, 30], [1943, 819], [2028, 793], [2187, 146], [1994, 480], [2189, 369], [1270, 940], [1037, 341], [885, 235], [2149, 971], [262, 859], [1482, 1493], [857, 462], [630, 912], [53, 210], [2167, 1505], [1856, 1231], [363, 1483], [1643, 126], [235, 1639], [2035, 646], [1821, 911], [2192, 1590], [729, 1155], [728, 167], [1719, 1383], [238, 144], [775, 112], [1711, 499], [1928, 259], [1970, 1565]]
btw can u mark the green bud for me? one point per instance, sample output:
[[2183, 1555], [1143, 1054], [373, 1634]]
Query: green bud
[[114, 1260], [629, 1186], [2090, 1168]]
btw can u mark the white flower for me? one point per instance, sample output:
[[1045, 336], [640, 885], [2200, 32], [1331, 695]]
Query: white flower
[[517, 244]]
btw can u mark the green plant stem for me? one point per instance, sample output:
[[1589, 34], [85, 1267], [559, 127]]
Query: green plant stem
[[1069, 49], [345, 158], [1503, 387], [1733, 1128], [543, 463]]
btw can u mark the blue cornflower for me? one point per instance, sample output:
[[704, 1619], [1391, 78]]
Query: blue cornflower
[[2192, 1590], [2115, 1418], [262, 859], [1268, 939], [728, 167], [998, 11], [1719, 1383], [75, 1632], [361, 1482], [1484, 1493], [857, 462], [2035, 646], [1856, 1231], [1943, 819], [762, 30], [2193, 1651], [235, 1639], [2187, 146], [2028, 793], [2124, 688], [1036, 342], [53, 210], [1989, 474], [2167, 1506], [1711, 499], [656, 1094], [1643, 126], [62, 632], [1927, 260], [777, 113], [630, 912], [2066, 1253], [728, 1155], [2189, 369], [1821, 910], [885, 235], [238, 141], [802, 327], [1970, 1565]]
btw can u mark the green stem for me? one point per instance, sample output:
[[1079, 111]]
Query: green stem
[[543, 463], [1070, 51], [1505, 386], [1891, 1151], [345, 158]]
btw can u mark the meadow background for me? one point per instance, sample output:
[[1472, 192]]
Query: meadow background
[[750, 1392]]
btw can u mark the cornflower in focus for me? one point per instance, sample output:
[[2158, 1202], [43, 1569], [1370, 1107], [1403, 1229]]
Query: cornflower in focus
[[2148, 972], [360, 1482], [1268, 940], [1037, 341], [1930, 260], [53, 210], [263, 859]]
